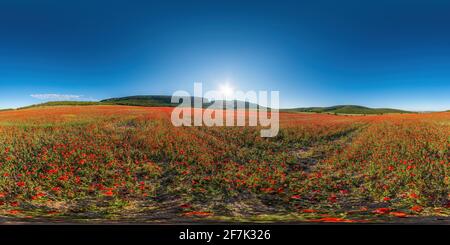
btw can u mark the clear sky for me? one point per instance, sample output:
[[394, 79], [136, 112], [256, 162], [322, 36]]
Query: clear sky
[[316, 53]]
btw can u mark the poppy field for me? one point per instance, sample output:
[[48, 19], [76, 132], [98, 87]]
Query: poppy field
[[129, 164]]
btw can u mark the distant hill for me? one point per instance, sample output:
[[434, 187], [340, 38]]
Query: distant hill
[[63, 103], [140, 100], [150, 101], [347, 109], [164, 100]]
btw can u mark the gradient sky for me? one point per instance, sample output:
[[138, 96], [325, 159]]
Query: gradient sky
[[316, 53]]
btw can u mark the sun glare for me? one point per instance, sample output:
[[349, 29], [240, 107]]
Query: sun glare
[[226, 90]]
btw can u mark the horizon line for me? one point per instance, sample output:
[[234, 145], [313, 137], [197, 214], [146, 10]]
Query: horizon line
[[281, 108]]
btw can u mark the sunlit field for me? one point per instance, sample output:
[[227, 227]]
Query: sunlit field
[[129, 164]]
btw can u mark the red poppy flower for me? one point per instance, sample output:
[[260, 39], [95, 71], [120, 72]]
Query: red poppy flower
[[399, 214], [64, 178], [20, 184], [413, 195], [382, 210], [185, 206], [333, 220], [416, 208], [14, 211], [332, 198], [198, 213], [108, 193]]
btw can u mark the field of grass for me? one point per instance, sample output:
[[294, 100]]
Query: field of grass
[[114, 163]]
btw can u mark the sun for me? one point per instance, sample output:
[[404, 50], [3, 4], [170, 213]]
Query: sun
[[226, 90]]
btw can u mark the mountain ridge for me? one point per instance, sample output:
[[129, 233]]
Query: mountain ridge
[[165, 101], [347, 109]]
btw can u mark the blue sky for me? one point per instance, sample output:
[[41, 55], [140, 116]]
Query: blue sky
[[316, 53]]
